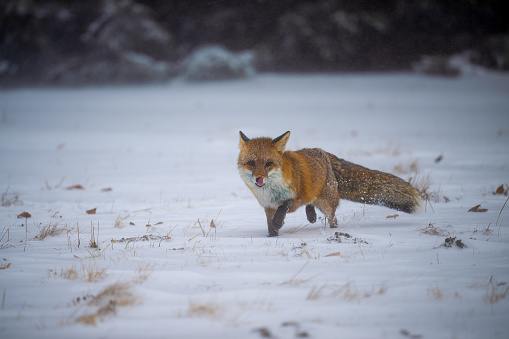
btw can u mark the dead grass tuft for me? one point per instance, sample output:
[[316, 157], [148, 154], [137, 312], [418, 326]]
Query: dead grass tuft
[[432, 230], [423, 184], [9, 199], [143, 272], [90, 273], [435, 292], [146, 237], [107, 303], [350, 292], [412, 167], [120, 222], [51, 231], [390, 150], [93, 273], [121, 292], [210, 309], [70, 273], [496, 292]]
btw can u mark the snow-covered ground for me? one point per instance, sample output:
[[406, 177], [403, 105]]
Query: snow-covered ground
[[182, 248]]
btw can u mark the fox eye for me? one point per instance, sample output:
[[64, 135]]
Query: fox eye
[[268, 163], [251, 163]]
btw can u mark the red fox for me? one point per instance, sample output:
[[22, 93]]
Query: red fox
[[283, 181]]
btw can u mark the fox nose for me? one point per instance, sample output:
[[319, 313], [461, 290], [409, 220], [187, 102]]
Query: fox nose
[[259, 182]]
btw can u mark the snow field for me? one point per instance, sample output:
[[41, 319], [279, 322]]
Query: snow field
[[181, 242]]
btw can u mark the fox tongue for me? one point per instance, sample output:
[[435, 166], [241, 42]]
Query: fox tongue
[[259, 181]]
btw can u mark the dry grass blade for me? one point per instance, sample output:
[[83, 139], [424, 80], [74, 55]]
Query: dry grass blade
[[93, 242], [501, 211], [298, 228], [316, 293], [5, 232], [335, 254], [95, 253], [294, 281], [199, 223]]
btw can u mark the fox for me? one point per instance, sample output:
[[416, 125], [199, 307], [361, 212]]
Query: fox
[[283, 181]]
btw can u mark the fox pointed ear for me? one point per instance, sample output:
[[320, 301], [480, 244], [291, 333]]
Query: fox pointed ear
[[243, 139], [280, 142]]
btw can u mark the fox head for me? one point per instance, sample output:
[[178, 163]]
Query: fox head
[[260, 159]]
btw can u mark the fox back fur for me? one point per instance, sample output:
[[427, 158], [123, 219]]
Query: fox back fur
[[283, 181]]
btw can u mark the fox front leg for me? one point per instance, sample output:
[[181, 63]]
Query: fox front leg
[[269, 212], [275, 218], [278, 218]]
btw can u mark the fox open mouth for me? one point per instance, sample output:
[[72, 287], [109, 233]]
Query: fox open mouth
[[259, 182]]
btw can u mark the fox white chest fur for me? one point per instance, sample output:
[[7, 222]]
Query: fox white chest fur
[[273, 192]]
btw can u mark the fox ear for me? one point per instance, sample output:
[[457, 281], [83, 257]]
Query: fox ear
[[280, 142], [243, 139]]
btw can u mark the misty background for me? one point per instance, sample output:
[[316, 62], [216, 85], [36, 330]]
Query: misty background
[[74, 43]]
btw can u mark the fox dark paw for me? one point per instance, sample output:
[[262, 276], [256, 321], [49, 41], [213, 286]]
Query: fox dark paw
[[311, 213], [273, 233]]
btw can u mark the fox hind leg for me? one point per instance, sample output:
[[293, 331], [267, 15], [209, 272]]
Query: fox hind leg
[[330, 214], [327, 202]]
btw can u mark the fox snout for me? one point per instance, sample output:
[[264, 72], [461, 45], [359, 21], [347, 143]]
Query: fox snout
[[258, 174], [259, 182]]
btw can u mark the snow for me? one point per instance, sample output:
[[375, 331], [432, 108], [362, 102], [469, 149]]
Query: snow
[[165, 156]]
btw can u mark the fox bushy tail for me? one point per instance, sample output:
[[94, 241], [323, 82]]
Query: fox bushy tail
[[360, 184]]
